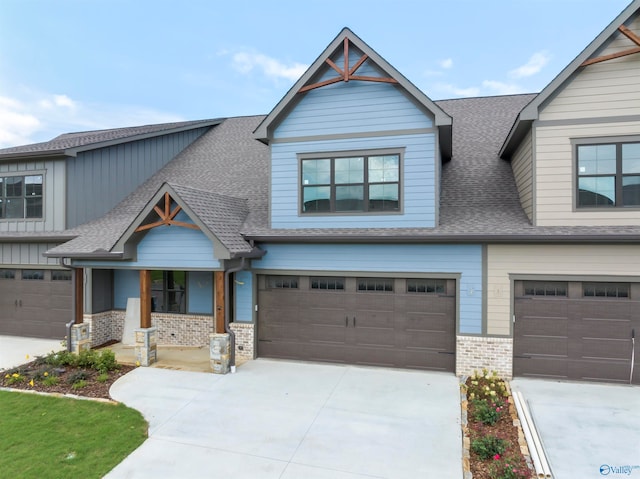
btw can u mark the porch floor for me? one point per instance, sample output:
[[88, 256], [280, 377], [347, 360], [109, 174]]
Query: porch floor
[[169, 357]]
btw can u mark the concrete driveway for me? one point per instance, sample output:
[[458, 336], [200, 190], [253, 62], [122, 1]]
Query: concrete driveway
[[588, 430], [281, 419], [16, 350]]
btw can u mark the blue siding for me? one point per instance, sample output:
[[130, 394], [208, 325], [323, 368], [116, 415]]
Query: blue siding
[[418, 184], [99, 179], [352, 107], [168, 247], [126, 284], [200, 292], [465, 260], [244, 296]]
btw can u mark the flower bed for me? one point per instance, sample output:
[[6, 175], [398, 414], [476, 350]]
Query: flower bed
[[88, 374], [491, 431]]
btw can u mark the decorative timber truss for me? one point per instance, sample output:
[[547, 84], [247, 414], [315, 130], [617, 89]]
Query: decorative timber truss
[[167, 216], [345, 74], [630, 51]]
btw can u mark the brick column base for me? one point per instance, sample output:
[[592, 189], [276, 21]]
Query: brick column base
[[146, 346], [80, 338]]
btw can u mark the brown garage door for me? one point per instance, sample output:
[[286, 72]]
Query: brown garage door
[[35, 303], [576, 330], [407, 323]]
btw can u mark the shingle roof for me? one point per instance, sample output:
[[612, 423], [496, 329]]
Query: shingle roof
[[227, 168], [67, 141]]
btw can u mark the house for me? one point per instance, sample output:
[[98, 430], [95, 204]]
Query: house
[[361, 222]]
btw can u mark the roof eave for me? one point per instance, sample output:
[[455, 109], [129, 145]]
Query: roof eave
[[96, 255]]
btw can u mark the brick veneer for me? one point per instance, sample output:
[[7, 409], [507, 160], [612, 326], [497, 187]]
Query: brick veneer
[[245, 333], [475, 353]]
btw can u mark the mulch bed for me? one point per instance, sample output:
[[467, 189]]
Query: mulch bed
[[505, 429], [93, 388]]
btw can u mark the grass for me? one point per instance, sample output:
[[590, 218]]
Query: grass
[[49, 437]]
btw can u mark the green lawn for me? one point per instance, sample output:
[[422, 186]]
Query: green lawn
[[48, 437]]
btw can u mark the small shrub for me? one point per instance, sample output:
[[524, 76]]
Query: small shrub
[[103, 377], [486, 385], [488, 412], [51, 380], [487, 447], [14, 378], [509, 468], [77, 376], [61, 358], [105, 361], [42, 373], [87, 359], [79, 384]]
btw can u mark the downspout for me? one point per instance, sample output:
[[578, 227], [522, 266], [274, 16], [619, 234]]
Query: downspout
[[227, 312], [70, 324]]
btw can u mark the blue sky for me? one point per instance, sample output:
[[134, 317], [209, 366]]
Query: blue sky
[[76, 65]]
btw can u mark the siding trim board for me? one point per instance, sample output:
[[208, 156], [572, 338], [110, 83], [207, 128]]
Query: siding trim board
[[587, 121], [345, 136]]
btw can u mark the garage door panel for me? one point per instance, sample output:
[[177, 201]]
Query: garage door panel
[[593, 341], [358, 324]]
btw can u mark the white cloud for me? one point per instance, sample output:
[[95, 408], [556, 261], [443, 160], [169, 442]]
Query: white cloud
[[536, 63], [457, 91], [245, 62], [500, 88], [35, 117], [446, 63]]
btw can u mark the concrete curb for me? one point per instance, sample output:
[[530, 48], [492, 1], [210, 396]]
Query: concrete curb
[[60, 395]]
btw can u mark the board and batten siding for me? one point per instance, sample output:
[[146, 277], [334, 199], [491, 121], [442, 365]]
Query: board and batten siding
[[400, 260], [99, 179], [26, 255], [555, 176], [610, 88], [53, 177], [585, 260], [418, 183], [522, 165]]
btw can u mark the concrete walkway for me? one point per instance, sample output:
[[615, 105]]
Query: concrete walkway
[[16, 350], [585, 427], [280, 419]]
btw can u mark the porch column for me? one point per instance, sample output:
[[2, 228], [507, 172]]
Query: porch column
[[218, 281], [80, 339], [145, 337], [145, 298]]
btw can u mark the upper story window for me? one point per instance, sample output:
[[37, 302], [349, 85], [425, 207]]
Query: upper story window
[[21, 196], [609, 175], [367, 183]]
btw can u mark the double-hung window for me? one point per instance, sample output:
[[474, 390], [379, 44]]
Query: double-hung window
[[21, 196], [608, 175], [368, 183]]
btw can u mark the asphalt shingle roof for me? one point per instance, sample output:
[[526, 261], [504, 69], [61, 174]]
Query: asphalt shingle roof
[[79, 139], [225, 176]]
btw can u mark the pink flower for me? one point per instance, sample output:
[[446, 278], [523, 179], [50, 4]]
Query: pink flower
[[496, 457]]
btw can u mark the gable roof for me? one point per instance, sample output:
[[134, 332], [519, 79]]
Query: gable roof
[[530, 112], [71, 144], [441, 118], [218, 216]]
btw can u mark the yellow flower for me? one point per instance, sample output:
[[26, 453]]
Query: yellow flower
[[46, 374], [7, 376], [31, 383], [15, 375], [493, 393], [27, 356], [137, 363]]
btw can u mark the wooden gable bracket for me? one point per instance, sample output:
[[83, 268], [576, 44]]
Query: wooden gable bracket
[[345, 74], [167, 217], [627, 33]]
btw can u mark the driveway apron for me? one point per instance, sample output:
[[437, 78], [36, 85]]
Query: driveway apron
[[17, 350], [588, 430], [281, 419]]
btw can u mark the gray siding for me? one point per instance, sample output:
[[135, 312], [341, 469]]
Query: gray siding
[[99, 179], [53, 172], [523, 173], [25, 254]]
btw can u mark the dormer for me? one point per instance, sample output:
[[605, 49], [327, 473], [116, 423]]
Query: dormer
[[355, 144]]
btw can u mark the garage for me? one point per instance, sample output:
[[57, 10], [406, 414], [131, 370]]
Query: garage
[[576, 330], [393, 322], [35, 302]]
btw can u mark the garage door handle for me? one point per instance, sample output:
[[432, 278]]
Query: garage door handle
[[16, 303], [346, 321], [522, 357], [354, 321]]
